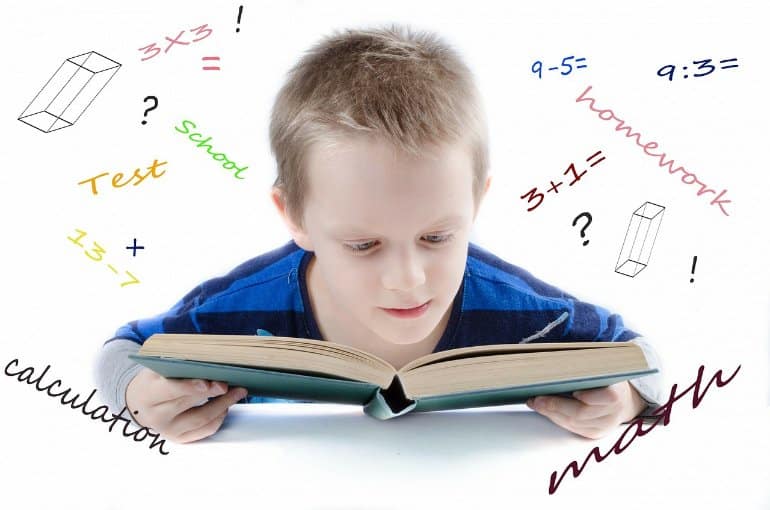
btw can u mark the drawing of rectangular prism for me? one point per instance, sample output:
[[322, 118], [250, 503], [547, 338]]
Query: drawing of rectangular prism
[[69, 92], [639, 240]]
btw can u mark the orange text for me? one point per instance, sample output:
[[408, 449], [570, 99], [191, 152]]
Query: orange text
[[117, 177]]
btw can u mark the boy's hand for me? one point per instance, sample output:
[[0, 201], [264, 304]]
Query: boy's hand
[[595, 412], [169, 405]]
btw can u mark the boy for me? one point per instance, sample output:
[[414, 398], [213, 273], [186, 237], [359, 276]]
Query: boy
[[381, 147]]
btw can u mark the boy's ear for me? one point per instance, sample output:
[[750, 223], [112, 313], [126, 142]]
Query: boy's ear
[[300, 237]]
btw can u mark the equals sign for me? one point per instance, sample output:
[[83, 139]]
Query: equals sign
[[581, 59], [728, 60], [210, 68], [596, 162]]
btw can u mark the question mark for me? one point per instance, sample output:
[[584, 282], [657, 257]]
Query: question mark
[[583, 230], [148, 110]]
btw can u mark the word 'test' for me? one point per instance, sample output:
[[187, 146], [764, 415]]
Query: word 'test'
[[116, 178]]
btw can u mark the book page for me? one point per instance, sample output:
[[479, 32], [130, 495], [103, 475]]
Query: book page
[[523, 368], [488, 350], [280, 353], [118, 216]]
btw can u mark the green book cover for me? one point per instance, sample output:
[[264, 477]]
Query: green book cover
[[380, 403], [265, 383]]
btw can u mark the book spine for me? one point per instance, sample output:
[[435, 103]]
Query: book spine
[[390, 402]]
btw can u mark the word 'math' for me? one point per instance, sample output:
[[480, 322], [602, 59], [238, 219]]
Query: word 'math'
[[610, 115], [662, 413]]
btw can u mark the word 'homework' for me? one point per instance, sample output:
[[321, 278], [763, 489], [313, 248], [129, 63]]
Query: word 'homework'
[[687, 178]]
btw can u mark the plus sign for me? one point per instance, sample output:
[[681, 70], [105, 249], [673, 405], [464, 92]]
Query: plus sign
[[554, 187], [135, 247]]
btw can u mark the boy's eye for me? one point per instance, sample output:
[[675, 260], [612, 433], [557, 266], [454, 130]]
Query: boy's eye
[[431, 238], [360, 246], [438, 239]]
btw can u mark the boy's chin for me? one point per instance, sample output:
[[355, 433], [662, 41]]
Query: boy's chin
[[405, 341], [407, 336]]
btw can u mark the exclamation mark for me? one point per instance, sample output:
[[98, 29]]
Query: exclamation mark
[[240, 11], [692, 271]]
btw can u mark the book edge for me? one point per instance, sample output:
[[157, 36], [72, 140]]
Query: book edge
[[631, 375]]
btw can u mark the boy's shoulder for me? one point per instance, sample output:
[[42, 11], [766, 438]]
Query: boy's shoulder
[[274, 277], [263, 292], [491, 275], [263, 277], [504, 303]]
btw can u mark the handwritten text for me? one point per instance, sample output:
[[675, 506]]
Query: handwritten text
[[118, 176], [99, 413], [661, 414], [646, 147], [152, 50], [534, 194], [96, 253], [204, 142]]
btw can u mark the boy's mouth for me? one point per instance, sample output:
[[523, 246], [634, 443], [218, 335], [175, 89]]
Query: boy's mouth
[[409, 312]]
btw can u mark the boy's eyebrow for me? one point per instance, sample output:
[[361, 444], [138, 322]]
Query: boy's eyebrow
[[446, 220]]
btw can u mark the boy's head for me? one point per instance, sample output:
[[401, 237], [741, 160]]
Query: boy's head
[[381, 146]]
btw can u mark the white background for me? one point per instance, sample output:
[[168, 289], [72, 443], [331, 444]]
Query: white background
[[197, 221]]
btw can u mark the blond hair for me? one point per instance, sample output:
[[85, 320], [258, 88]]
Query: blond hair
[[410, 89]]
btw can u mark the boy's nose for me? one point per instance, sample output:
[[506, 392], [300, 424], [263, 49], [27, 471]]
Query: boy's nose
[[403, 271]]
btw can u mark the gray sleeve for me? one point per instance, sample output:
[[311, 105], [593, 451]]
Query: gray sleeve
[[650, 387], [114, 370]]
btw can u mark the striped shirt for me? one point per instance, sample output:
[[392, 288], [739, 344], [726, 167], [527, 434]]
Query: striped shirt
[[496, 303]]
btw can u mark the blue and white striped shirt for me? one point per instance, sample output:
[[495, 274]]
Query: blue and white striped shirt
[[497, 302]]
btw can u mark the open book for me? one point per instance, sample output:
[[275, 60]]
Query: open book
[[316, 370]]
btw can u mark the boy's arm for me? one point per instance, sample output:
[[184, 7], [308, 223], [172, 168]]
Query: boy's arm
[[590, 321], [649, 387], [114, 370]]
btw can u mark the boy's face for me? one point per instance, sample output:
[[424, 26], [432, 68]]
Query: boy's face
[[388, 230]]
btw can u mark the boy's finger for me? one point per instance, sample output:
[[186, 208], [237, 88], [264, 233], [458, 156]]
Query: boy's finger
[[555, 416], [172, 389], [577, 411], [593, 428], [599, 396], [205, 431], [200, 416], [562, 405], [185, 402]]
